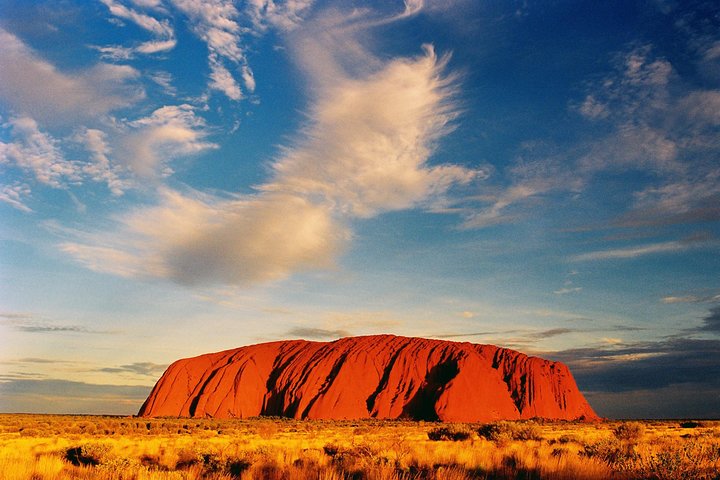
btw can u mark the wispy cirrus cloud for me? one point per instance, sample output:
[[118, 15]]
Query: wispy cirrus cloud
[[101, 169], [33, 87], [644, 365], [554, 332], [33, 323], [657, 122], [13, 316], [14, 195], [216, 23], [397, 113], [225, 28], [689, 243], [567, 290], [631, 252], [171, 131], [711, 323], [364, 151], [691, 298], [161, 29], [514, 336], [285, 15], [37, 360], [538, 172], [38, 327], [202, 239], [148, 369], [63, 396], [37, 153], [317, 333], [40, 97], [665, 126]]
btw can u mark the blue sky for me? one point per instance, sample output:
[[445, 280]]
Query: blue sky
[[183, 176]]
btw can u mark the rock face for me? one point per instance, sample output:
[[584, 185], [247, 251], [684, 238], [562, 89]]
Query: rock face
[[381, 376]]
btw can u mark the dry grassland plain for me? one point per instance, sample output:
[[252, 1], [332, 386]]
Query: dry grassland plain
[[45, 447]]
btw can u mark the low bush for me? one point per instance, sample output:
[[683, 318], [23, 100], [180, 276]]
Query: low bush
[[620, 457], [454, 433], [631, 432], [211, 463], [506, 431], [691, 424], [88, 454]]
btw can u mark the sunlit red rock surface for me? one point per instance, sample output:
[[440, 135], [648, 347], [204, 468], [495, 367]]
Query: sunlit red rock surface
[[381, 376]]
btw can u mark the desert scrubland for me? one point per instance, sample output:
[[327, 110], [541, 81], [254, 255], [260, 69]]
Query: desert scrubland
[[45, 447]]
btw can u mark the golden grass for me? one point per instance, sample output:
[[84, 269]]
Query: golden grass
[[42, 447]]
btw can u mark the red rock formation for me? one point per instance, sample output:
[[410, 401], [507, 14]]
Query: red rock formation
[[381, 376]]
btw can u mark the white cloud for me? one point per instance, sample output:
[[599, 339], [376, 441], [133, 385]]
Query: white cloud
[[567, 290], [156, 46], [691, 298], [248, 78], [215, 22], [115, 53], [642, 71], [144, 21], [285, 15], [222, 80], [413, 6], [680, 196], [702, 106], [206, 240], [109, 260], [634, 147], [683, 299], [100, 169], [364, 151], [144, 147], [592, 108], [370, 139], [632, 252], [712, 51], [632, 99], [14, 195], [148, 3], [657, 125], [531, 180], [169, 132], [164, 33], [38, 153], [497, 212], [165, 80], [31, 86]]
